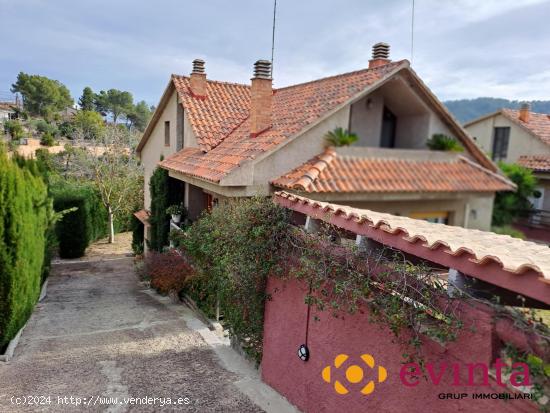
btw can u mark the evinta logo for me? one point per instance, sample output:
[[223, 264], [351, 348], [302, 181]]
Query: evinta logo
[[354, 374], [411, 374]]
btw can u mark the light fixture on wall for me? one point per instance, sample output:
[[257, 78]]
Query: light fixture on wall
[[473, 213], [303, 353], [368, 103]]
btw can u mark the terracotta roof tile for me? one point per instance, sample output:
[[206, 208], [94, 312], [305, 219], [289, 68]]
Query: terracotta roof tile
[[511, 254], [220, 121], [538, 163], [143, 216], [214, 117], [332, 172], [538, 124]]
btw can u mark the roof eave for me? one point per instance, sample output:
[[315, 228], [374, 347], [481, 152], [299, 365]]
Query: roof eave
[[525, 280]]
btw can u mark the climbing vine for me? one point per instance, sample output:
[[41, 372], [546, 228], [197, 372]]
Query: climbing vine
[[408, 298], [239, 244]]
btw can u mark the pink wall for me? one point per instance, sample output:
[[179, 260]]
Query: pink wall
[[301, 382]]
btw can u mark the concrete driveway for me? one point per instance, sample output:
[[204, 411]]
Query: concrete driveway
[[99, 335]]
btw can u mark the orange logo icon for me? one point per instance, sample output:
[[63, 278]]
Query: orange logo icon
[[354, 374]]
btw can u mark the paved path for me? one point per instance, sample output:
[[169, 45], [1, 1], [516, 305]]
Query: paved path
[[100, 334]]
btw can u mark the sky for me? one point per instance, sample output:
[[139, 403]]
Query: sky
[[462, 48]]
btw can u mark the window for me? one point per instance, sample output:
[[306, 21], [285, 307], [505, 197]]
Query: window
[[500, 143], [389, 124], [437, 217], [167, 133]]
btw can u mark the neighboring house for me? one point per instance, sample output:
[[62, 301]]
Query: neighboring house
[[68, 113], [7, 110], [522, 137], [225, 140]]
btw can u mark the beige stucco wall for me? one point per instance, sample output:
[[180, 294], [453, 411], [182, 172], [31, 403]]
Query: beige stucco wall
[[479, 211], [416, 121], [456, 208], [366, 122], [521, 142], [189, 138], [154, 147], [300, 150], [460, 210]]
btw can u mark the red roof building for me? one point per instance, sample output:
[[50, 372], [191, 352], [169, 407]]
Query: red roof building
[[226, 140], [522, 137]]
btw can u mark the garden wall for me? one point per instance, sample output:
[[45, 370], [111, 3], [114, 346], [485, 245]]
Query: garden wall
[[286, 318]]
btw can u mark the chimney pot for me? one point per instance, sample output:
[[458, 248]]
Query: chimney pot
[[198, 78], [525, 112], [262, 69], [261, 96], [198, 66], [380, 55]]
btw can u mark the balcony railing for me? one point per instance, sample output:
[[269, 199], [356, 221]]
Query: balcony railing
[[536, 218]]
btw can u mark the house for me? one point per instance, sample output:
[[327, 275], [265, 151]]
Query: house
[[522, 137], [7, 110], [224, 140]]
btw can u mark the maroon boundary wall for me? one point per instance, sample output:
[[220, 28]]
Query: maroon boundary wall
[[286, 318]]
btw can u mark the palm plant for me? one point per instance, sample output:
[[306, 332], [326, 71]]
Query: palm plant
[[340, 137], [441, 142]]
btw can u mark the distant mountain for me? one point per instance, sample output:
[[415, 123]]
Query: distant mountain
[[468, 109]]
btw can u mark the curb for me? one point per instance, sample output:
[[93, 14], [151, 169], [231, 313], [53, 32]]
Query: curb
[[43, 291], [8, 355], [212, 325]]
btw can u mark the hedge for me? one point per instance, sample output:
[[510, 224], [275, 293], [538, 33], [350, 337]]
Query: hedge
[[138, 236], [24, 219], [165, 191], [78, 228], [160, 223], [39, 168]]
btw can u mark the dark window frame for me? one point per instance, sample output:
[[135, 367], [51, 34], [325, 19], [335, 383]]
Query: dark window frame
[[501, 143], [166, 133]]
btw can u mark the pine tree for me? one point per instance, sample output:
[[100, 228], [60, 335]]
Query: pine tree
[[86, 101]]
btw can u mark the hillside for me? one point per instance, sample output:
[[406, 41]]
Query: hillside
[[468, 109]]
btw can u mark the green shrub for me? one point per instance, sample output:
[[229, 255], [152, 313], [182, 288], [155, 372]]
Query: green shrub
[[160, 224], [509, 205], [233, 249], [441, 142], [89, 123], [74, 229], [24, 218], [14, 129], [508, 230], [78, 228], [137, 236], [44, 127], [66, 129], [47, 139]]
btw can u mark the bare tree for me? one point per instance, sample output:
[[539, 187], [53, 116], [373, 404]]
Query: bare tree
[[109, 161]]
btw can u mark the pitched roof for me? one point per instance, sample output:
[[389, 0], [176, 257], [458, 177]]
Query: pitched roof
[[221, 119], [215, 117], [7, 106], [221, 124], [538, 163], [538, 124], [470, 251], [332, 171]]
